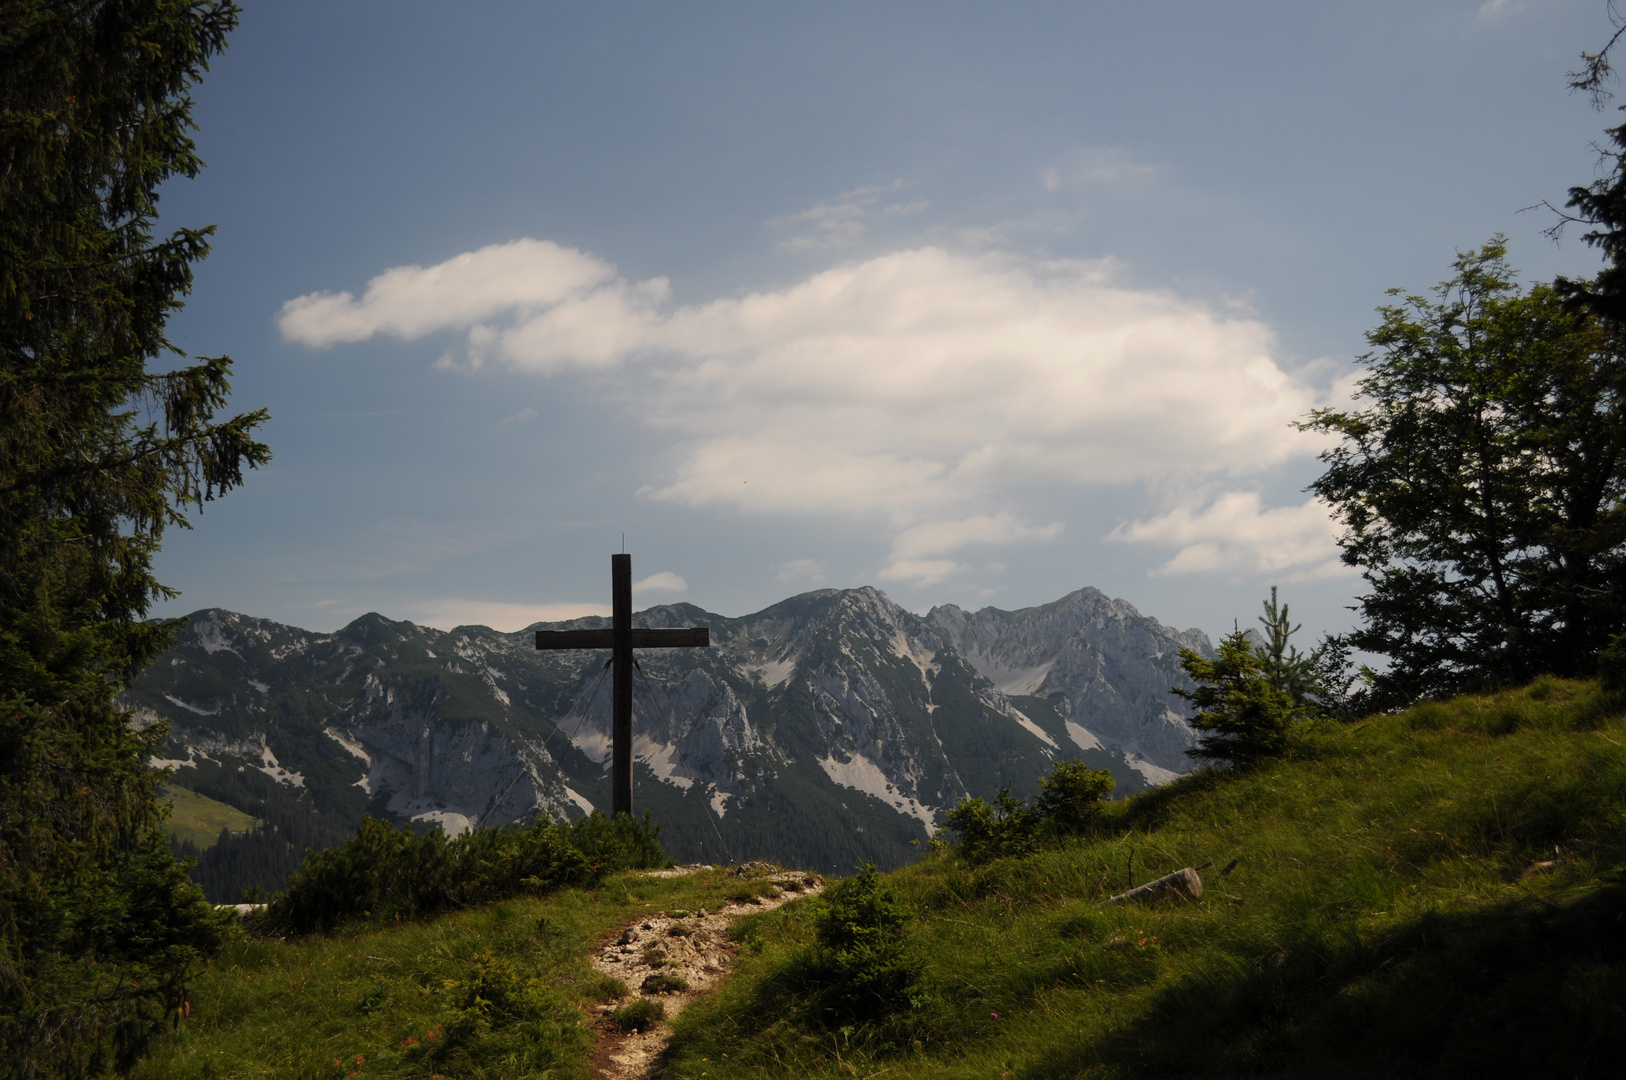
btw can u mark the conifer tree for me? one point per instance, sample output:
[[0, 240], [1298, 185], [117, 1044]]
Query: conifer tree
[[101, 449], [1242, 715], [1290, 671]]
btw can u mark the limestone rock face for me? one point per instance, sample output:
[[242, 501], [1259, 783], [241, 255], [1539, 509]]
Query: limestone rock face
[[831, 728], [1107, 667]]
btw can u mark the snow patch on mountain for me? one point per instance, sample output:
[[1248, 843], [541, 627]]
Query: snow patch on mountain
[[1153, 773], [211, 636], [1081, 736], [719, 802], [452, 824], [272, 768], [776, 673], [861, 774], [660, 759], [190, 708]]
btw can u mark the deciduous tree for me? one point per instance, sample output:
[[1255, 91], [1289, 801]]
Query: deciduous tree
[[1480, 480]]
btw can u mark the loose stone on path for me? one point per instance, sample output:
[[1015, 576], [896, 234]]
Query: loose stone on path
[[693, 947]]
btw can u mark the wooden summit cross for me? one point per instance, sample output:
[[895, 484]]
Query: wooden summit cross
[[621, 639]]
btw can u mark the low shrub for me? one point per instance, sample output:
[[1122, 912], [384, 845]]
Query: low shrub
[[1612, 664], [751, 892], [387, 873], [861, 965], [664, 984], [609, 988], [498, 1013], [1071, 797], [638, 1015], [1069, 803], [1007, 827]]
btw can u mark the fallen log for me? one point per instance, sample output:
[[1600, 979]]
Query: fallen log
[[1185, 882]]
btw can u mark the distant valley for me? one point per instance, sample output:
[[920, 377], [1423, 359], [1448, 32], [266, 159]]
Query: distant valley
[[829, 729]]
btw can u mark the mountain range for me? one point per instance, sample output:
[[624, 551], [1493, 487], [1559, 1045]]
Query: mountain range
[[829, 729]]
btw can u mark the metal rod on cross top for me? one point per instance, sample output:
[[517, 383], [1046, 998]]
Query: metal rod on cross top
[[621, 638]]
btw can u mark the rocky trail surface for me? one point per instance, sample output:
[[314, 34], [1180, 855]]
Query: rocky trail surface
[[671, 959]]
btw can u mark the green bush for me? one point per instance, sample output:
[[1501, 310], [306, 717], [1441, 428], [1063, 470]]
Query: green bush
[[1612, 664], [861, 965], [609, 988], [664, 984], [498, 1015], [1069, 803], [387, 873], [638, 1015], [1007, 827], [1243, 716], [1070, 797], [619, 843]]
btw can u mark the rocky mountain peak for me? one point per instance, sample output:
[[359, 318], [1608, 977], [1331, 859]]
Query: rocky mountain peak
[[833, 726]]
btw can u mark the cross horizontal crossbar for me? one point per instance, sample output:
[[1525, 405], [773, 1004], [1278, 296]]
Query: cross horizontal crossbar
[[643, 637]]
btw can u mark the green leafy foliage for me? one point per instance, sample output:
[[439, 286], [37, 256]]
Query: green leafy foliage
[[99, 453], [1612, 664], [664, 984], [1068, 803], [1071, 798], [1482, 484], [1242, 714], [862, 965], [387, 873], [638, 1015], [1007, 826]]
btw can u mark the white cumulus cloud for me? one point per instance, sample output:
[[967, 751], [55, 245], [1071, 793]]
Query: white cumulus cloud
[[410, 301], [1237, 534], [919, 389], [799, 570], [913, 548], [663, 582]]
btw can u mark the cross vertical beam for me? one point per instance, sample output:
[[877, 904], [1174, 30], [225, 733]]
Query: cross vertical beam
[[621, 681], [621, 639]]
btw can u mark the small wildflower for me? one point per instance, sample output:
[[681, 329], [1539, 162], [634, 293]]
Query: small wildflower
[[409, 1041], [337, 1063], [361, 1058], [993, 1016]]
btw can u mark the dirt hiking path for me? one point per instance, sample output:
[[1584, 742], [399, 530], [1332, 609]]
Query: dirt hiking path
[[689, 946]]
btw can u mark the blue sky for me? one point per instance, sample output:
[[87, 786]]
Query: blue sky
[[975, 303]]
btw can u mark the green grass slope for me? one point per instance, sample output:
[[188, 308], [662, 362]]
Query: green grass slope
[[1386, 916], [496, 993], [198, 819]]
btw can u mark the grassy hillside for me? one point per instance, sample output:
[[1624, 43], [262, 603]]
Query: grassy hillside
[[1386, 916], [198, 819], [499, 992]]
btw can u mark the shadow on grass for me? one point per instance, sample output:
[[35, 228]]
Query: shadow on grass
[[1522, 989]]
